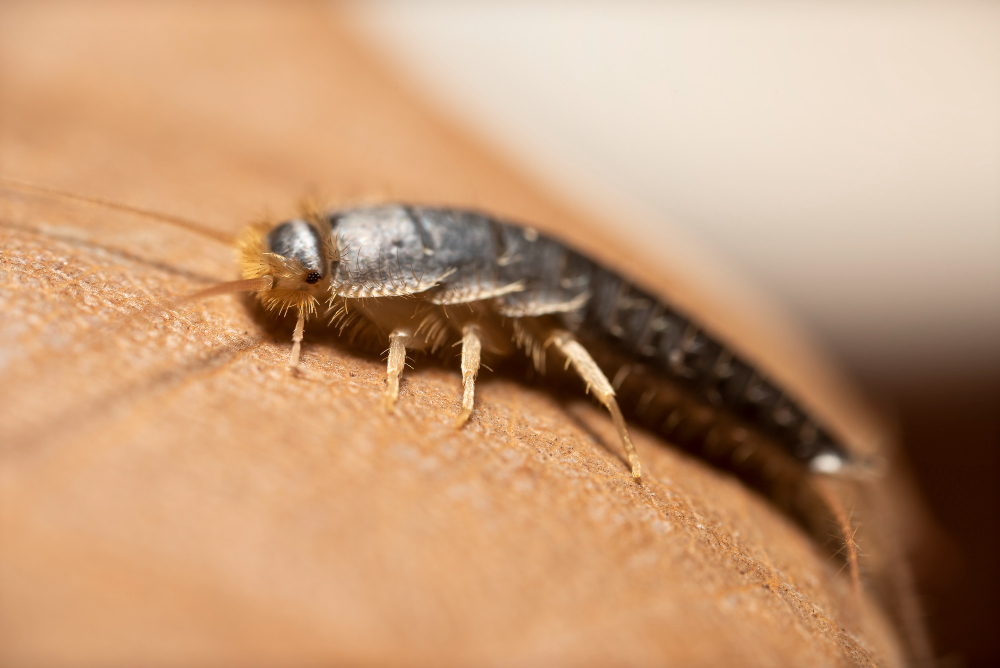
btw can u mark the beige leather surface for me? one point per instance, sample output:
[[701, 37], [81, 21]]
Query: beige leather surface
[[171, 495]]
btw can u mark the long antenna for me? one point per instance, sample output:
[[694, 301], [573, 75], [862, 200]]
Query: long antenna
[[55, 193]]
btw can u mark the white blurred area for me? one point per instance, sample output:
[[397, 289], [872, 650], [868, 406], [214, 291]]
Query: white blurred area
[[845, 157]]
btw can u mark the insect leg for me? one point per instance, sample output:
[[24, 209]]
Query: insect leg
[[397, 360], [300, 325], [595, 379], [471, 349]]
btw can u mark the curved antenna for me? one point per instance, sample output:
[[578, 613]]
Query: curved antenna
[[246, 285], [55, 193]]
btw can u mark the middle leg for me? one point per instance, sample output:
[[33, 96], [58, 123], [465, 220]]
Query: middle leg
[[397, 360], [471, 350]]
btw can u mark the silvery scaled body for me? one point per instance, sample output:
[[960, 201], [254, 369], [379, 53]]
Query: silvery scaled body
[[523, 284]]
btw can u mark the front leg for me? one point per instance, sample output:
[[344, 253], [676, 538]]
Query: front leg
[[300, 325]]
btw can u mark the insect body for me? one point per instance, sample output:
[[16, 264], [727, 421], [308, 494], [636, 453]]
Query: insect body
[[425, 278]]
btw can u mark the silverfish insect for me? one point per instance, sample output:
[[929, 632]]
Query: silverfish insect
[[424, 278]]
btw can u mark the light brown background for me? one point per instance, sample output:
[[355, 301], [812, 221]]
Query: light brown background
[[169, 494]]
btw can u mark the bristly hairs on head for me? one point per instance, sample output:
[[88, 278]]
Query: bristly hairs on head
[[290, 288]]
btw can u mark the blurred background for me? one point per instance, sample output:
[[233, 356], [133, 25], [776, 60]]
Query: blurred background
[[842, 158]]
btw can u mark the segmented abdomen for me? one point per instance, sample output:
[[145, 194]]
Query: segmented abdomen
[[655, 335]]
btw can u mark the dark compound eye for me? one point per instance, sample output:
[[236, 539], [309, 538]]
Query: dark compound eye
[[313, 277]]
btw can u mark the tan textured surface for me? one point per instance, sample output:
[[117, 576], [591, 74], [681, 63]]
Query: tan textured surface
[[169, 494]]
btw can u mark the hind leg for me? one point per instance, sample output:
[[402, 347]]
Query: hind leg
[[586, 367], [836, 505]]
